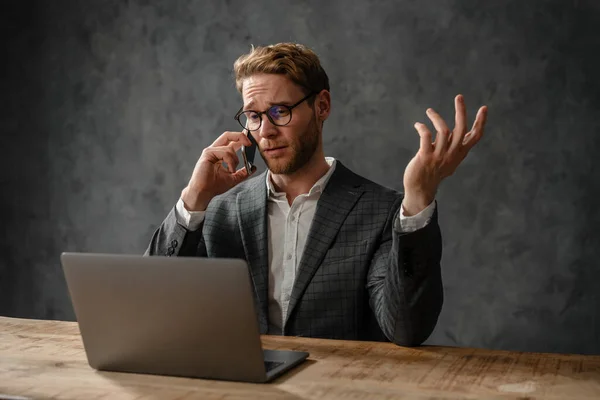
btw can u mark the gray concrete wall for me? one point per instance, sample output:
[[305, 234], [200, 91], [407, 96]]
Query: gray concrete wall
[[106, 105]]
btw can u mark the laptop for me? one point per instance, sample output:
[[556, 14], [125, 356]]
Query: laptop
[[177, 316]]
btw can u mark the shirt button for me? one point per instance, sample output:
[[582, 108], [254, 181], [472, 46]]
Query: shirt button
[[293, 218], [289, 256]]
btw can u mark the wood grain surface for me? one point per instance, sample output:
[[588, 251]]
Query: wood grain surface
[[46, 360]]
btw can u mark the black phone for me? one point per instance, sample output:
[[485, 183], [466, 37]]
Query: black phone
[[248, 153]]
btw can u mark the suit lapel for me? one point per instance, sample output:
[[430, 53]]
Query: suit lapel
[[252, 217], [336, 202]]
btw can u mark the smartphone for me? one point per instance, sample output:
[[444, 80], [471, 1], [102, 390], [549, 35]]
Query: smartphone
[[248, 153]]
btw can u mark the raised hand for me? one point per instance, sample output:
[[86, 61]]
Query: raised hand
[[437, 160]]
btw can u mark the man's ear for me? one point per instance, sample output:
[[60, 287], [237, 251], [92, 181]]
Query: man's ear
[[323, 104]]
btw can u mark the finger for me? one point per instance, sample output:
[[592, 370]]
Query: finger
[[230, 136], [224, 153], [231, 164], [241, 174], [480, 120], [478, 127], [235, 146], [460, 122], [426, 147], [441, 137]]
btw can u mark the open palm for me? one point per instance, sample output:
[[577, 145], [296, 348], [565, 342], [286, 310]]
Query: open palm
[[439, 159]]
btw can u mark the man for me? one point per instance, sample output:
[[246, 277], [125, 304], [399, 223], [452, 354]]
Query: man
[[330, 254]]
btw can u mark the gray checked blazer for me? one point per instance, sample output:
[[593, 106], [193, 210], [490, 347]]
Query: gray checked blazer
[[359, 278]]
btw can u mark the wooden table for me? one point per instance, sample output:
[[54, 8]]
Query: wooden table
[[45, 359]]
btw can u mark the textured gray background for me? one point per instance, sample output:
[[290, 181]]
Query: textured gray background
[[106, 106]]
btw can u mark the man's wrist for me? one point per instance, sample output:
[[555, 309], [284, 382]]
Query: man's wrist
[[414, 203], [194, 200]]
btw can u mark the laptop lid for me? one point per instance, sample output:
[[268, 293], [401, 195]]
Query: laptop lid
[[176, 316]]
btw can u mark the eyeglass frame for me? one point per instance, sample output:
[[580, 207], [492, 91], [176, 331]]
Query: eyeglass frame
[[260, 113]]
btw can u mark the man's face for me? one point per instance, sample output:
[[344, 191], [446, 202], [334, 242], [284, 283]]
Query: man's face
[[285, 149]]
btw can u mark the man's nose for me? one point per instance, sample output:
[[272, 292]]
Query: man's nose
[[267, 129]]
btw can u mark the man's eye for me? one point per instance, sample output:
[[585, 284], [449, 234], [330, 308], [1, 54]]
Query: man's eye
[[278, 112]]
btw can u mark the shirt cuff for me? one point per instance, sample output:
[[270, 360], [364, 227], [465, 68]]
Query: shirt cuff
[[190, 220], [406, 224]]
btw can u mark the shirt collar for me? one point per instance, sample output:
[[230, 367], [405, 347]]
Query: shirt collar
[[318, 187]]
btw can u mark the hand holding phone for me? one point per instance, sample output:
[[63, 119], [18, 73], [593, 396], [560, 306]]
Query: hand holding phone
[[215, 171]]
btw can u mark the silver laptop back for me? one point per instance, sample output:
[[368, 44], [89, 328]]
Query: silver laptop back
[[176, 316]]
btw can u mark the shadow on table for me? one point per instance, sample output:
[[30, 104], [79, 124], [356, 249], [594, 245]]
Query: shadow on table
[[146, 386], [293, 372]]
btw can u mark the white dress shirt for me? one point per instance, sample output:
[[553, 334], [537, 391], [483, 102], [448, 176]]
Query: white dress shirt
[[288, 229]]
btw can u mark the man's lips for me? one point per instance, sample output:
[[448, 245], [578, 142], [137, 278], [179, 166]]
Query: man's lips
[[274, 148], [274, 151]]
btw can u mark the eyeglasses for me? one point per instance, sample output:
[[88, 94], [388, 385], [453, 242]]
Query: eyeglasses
[[279, 115]]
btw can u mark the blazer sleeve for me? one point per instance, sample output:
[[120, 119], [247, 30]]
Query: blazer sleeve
[[404, 281], [172, 239]]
